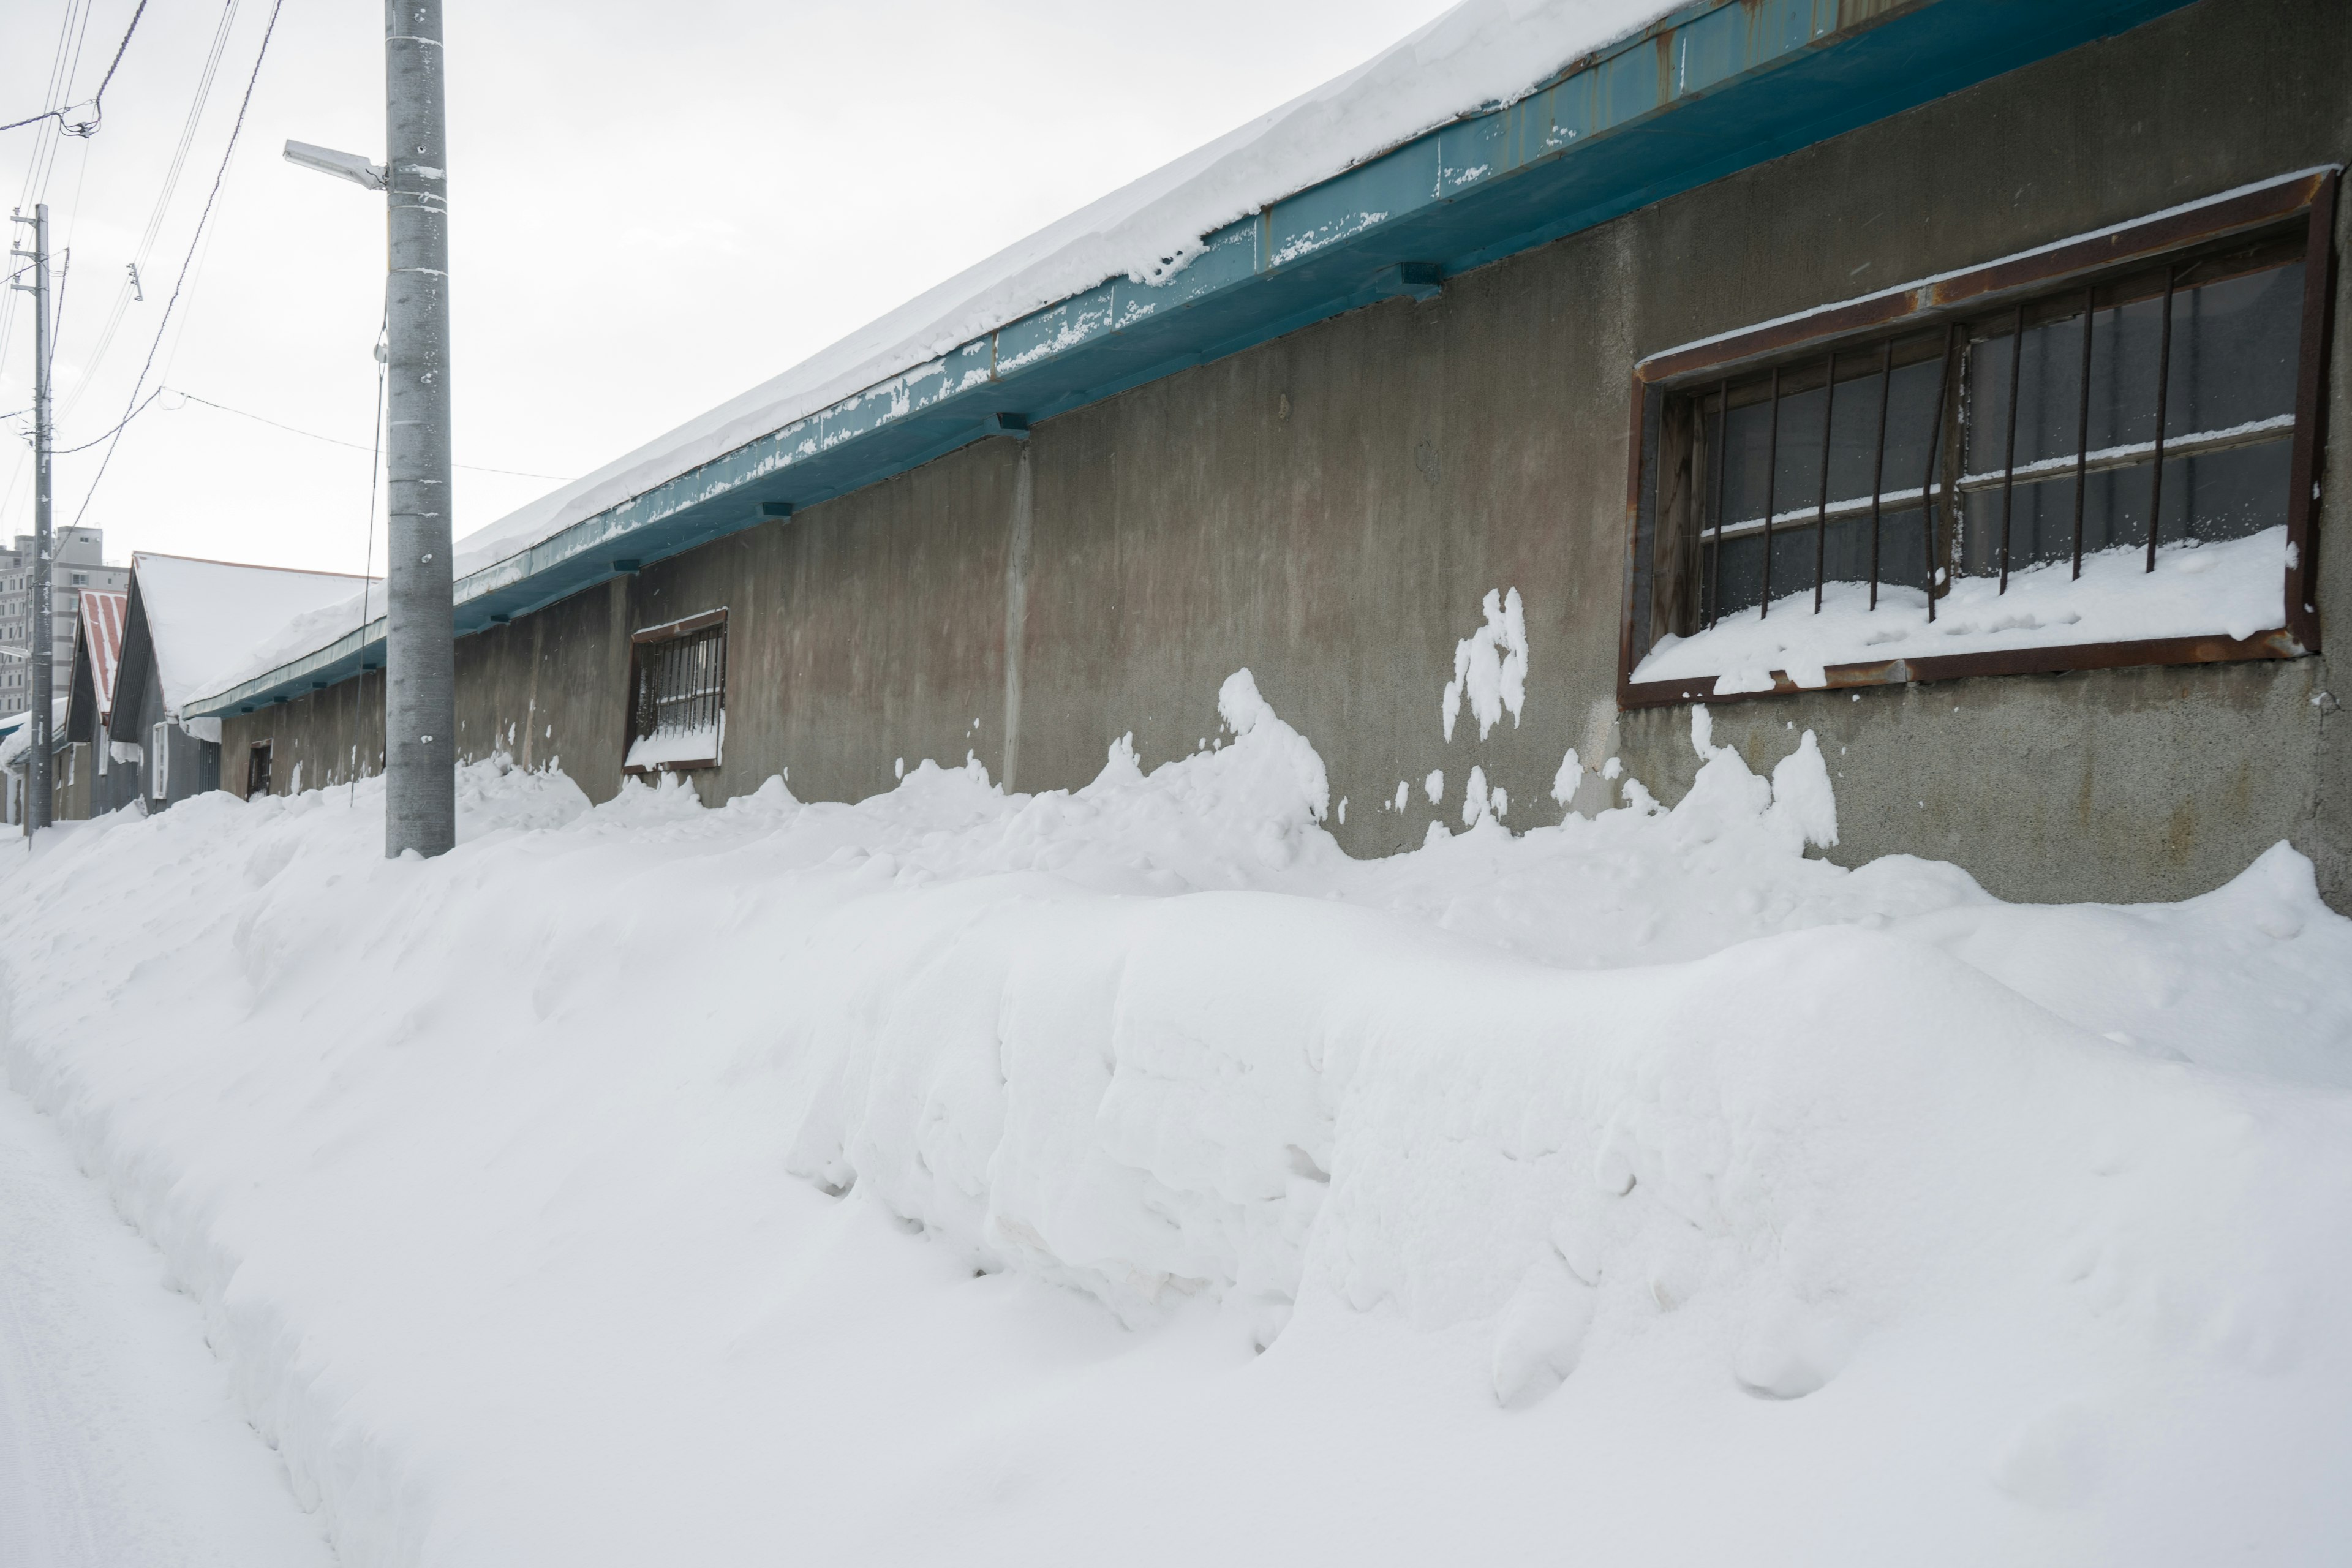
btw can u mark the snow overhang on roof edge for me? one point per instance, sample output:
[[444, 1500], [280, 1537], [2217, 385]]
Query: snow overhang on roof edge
[[1742, 82]]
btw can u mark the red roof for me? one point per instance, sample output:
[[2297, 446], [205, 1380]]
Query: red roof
[[101, 619]]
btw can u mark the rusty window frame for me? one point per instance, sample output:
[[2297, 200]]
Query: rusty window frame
[[2306, 200], [677, 676]]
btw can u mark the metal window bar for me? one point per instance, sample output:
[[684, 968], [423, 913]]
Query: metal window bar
[[1934, 441], [1722, 471], [2008, 453], [2099, 461], [1878, 458], [1771, 478], [1822, 509], [2163, 386], [682, 684], [2083, 428]]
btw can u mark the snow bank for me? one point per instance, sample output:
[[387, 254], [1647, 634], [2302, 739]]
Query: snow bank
[[1126, 1172], [2234, 588], [1479, 54]]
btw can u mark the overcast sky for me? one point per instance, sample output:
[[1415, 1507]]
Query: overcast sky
[[653, 208]]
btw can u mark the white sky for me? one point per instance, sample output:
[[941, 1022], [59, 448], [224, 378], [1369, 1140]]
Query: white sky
[[653, 208]]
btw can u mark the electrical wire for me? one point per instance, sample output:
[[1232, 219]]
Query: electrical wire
[[123, 293], [60, 82], [336, 441], [106, 435], [376, 466], [201, 219], [88, 128]]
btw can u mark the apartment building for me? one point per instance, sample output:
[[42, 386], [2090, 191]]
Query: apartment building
[[77, 565]]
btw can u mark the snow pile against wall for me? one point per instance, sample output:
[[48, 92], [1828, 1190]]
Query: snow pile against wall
[[2233, 588], [1125, 1171]]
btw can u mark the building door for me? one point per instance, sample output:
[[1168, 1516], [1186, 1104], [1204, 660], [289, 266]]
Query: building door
[[159, 761], [256, 769]]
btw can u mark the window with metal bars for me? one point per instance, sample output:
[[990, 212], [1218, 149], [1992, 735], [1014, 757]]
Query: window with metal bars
[[2101, 453], [677, 704]]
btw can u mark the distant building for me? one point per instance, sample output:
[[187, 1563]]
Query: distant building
[[187, 623], [92, 784], [77, 562]]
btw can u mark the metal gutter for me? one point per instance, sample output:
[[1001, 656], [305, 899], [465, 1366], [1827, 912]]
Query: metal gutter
[[1714, 88]]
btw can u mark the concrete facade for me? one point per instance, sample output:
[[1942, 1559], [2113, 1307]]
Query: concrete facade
[[78, 561], [1329, 508]]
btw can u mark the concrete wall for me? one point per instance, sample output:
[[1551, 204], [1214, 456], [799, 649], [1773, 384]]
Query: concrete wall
[[330, 735], [1329, 508]]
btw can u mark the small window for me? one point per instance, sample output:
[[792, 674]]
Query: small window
[[256, 769], [81, 578], [159, 761], [678, 706], [2100, 454]]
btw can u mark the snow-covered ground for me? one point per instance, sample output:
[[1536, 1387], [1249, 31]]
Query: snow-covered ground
[[120, 1444], [1125, 1175]]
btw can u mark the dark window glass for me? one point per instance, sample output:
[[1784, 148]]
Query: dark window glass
[[1892, 462], [681, 690], [2229, 420]]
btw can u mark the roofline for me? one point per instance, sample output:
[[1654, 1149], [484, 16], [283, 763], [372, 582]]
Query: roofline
[[241, 565], [1743, 81]]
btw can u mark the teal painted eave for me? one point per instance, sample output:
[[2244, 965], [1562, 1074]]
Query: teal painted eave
[[1714, 88]]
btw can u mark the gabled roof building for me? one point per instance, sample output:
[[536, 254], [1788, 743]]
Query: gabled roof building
[[1947, 378], [93, 786], [186, 622]]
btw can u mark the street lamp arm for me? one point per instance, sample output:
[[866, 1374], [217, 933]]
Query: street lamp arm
[[343, 166]]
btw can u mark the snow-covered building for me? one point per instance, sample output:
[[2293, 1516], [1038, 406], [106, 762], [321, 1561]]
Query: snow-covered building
[[187, 623], [16, 748], [94, 785], [1943, 377]]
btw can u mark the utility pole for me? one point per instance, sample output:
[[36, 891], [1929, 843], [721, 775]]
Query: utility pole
[[41, 646], [420, 707]]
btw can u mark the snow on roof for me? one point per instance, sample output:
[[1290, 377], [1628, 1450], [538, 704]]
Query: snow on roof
[[1480, 54], [206, 617], [101, 619], [17, 734]]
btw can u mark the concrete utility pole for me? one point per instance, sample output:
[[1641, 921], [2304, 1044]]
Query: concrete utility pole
[[420, 699], [40, 647], [420, 707]]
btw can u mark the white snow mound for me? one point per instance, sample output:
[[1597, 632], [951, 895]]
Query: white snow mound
[[921, 1179]]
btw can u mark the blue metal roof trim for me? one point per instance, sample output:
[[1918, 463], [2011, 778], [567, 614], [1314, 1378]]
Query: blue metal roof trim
[[1714, 88]]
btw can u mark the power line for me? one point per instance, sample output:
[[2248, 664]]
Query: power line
[[63, 64], [122, 294], [212, 196], [106, 435], [58, 84], [337, 441], [86, 128], [376, 455], [181, 391]]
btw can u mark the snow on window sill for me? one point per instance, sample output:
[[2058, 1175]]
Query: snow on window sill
[[2235, 589], [679, 750]]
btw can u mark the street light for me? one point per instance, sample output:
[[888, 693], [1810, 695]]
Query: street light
[[420, 707]]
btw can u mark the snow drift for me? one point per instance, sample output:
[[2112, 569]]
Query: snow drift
[[1126, 1173]]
